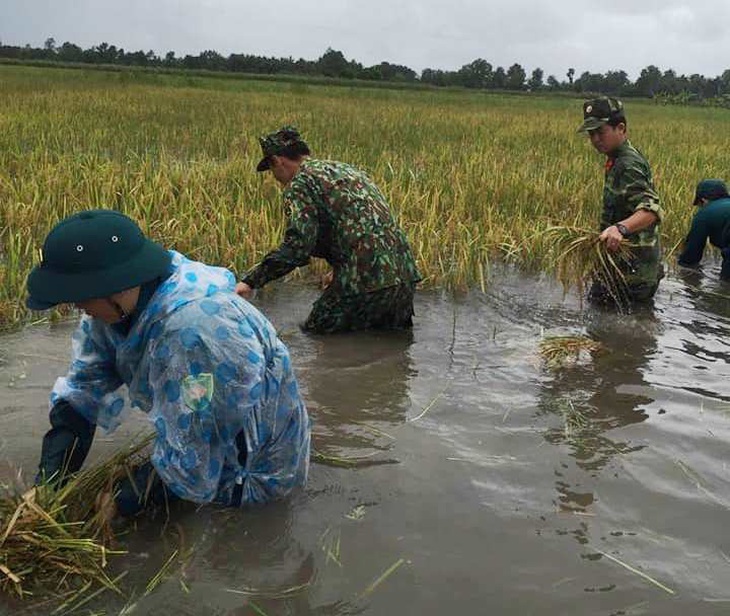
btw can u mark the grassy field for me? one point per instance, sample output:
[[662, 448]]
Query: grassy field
[[473, 177]]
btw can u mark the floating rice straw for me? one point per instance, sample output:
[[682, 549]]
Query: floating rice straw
[[558, 350], [636, 571]]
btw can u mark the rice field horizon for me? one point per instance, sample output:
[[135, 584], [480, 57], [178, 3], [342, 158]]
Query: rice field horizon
[[473, 177]]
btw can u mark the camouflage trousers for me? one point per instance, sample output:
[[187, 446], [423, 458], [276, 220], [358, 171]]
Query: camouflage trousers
[[390, 308], [641, 280]]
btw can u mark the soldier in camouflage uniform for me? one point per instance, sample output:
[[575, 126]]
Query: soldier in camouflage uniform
[[631, 208], [336, 212]]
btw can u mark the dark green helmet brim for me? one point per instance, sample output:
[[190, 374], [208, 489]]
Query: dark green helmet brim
[[48, 288]]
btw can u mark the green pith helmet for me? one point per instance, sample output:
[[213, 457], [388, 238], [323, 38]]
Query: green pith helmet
[[93, 254], [285, 140], [599, 111]]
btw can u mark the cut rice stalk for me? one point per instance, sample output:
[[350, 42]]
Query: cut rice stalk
[[557, 350], [50, 538]]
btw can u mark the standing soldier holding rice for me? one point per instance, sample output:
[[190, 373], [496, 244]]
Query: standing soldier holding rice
[[336, 212], [631, 207]]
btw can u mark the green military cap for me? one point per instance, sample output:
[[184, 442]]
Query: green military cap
[[598, 111], [93, 254], [710, 190], [286, 139]]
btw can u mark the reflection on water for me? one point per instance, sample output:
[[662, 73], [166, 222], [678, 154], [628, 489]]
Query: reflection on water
[[591, 398], [356, 387], [702, 316], [513, 482]]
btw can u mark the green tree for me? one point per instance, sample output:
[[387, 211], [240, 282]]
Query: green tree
[[616, 82], [334, 64], [68, 52], [476, 74], [516, 77], [500, 78], [536, 79], [649, 81], [725, 81]]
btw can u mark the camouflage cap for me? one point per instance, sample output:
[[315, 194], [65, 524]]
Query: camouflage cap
[[598, 111], [710, 190], [284, 140]]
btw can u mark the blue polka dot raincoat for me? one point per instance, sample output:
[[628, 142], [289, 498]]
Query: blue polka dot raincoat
[[205, 365]]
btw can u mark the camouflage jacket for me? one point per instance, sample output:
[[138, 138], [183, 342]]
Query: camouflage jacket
[[629, 187], [336, 212]]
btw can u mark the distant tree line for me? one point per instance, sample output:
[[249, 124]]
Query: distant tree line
[[666, 85]]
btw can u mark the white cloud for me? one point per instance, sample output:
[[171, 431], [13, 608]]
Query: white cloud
[[590, 35]]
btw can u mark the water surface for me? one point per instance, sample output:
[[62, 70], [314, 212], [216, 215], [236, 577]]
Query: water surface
[[496, 485]]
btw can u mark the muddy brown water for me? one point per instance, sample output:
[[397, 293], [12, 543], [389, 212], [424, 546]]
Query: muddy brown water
[[508, 486]]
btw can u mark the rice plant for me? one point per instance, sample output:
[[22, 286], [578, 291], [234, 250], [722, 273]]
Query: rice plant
[[473, 178]]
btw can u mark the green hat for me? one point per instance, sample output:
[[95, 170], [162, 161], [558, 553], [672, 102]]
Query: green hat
[[710, 190], [598, 111], [93, 254], [286, 140]]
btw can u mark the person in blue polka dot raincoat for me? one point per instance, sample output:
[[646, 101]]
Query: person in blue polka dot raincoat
[[204, 364]]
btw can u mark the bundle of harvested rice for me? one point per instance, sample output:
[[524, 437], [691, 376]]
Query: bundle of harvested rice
[[52, 541], [557, 350], [581, 258]]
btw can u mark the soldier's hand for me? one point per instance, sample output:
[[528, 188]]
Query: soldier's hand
[[327, 279], [244, 290], [612, 238]]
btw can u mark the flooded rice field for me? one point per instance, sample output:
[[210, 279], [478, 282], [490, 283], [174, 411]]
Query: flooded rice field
[[486, 482]]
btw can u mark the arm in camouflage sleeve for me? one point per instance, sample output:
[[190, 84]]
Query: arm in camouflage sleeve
[[640, 196], [300, 239]]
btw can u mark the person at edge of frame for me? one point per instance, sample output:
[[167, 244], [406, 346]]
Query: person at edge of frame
[[711, 221], [336, 212], [632, 209], [205, 365]]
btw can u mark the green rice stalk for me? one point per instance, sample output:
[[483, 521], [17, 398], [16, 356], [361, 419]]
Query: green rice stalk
[[257, 609], [383, 576], [429, 406], [271, 593], [330, 544], [349, 462], [155, 581]]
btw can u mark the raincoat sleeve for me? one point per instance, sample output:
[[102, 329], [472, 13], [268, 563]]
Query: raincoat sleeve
[[92, 381], [204, 388], [300, 237]]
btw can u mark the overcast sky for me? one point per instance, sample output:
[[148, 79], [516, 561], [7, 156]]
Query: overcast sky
[[589, 35]]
